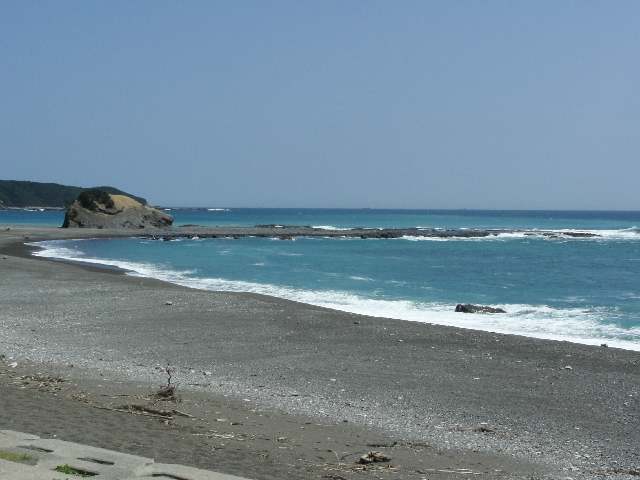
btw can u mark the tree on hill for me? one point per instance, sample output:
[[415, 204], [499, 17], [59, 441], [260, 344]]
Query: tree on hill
[[90, 199]]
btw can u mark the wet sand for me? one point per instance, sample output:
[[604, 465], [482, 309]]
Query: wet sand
[[312, 387]]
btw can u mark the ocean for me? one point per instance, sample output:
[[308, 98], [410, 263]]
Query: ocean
[[584, 290]]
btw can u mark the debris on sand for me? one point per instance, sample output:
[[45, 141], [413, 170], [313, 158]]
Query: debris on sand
[[166, 392], [483, 428], [373, 457]]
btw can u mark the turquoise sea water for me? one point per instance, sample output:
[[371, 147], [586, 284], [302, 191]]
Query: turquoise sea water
[[584, 290], [344, 218]]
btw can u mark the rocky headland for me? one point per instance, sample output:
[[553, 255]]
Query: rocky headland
[[99, 209]]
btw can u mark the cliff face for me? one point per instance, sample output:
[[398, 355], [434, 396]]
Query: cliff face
[[98, 209]]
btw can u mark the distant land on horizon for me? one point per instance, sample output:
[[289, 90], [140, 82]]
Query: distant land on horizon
[[25, 194], [22, 194]]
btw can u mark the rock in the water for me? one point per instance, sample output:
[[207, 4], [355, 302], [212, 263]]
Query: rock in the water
[[469, 308], [99, 209]]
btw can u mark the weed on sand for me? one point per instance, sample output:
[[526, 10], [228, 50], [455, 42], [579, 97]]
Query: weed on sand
[[69, 470], [15, 457]]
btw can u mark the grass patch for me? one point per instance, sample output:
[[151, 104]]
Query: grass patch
[[15, 457], [69, 470]]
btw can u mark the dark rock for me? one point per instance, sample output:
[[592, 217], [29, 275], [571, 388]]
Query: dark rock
[[580, 234], [469, 308]]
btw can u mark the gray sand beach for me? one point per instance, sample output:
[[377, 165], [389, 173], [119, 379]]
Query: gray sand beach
[[278, 389]]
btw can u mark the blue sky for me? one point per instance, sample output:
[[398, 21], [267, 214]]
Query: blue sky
[[403, 104]]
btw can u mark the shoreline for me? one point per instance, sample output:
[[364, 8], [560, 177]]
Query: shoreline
[[431, 316], [410, 381]]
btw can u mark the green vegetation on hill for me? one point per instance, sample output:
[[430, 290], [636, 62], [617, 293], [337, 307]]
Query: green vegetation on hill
[[90, 199], [16, 193]]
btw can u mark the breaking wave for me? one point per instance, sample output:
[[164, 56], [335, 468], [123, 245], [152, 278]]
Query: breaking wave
[[632, 233], [330, 227], [580, 325]]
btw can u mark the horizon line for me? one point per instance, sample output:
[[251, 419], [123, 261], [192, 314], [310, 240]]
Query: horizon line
[[417, 209]]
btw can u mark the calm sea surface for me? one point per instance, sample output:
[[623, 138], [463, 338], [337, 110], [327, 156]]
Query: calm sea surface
[[583, 290]]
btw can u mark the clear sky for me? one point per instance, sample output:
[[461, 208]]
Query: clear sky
[[363, 103]]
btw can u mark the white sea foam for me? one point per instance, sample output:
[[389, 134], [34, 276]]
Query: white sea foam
[[632, 233], [496, 236], [425, 239], [559, 234], [330, 227], [52, 249], [539, 321]]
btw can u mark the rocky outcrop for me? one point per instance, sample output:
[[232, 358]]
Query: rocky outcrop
[[99, 209], [469, 308]]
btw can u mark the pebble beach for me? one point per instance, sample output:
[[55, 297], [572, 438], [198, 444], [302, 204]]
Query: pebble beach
[[302, 391]]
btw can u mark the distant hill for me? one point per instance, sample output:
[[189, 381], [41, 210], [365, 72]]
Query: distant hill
[[17, 193]]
